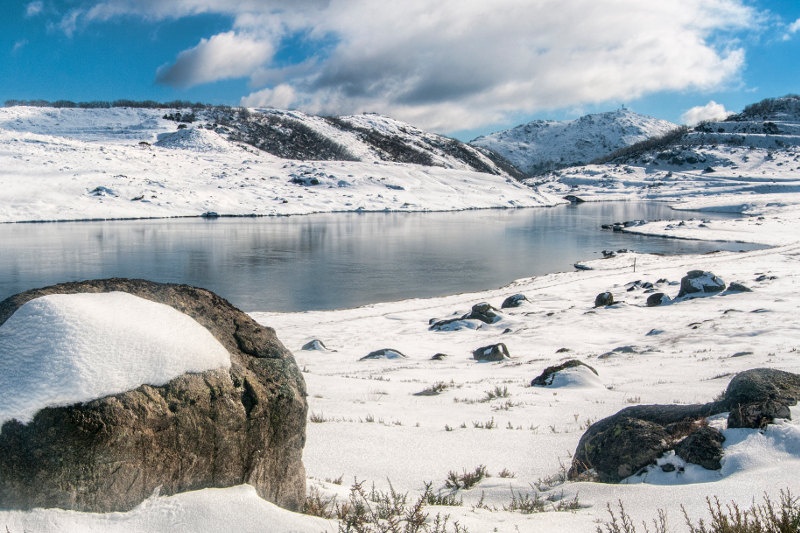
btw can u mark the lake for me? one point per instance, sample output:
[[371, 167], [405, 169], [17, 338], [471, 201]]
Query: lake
[[331, 261]]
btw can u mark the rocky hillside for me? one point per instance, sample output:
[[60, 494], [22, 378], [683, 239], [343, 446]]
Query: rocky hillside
[[367, 137], [755, 153], [545, 145]]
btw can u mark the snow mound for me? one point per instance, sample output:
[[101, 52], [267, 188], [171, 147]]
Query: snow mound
[[63, 349], [195, 139]]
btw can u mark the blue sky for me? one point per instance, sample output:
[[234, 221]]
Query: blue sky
[[461, 67]]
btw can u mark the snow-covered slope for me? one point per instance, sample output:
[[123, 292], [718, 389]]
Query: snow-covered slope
[[70, 164], [749, 163], [544, 145]]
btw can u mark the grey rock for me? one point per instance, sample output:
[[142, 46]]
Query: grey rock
[[738, 287], [656, 299], [494, 352], [548, 374], [757, 415], [753, 398], [604, 299], [702, 447], [483, 312], [515, 300], [699, 283], [315, 345], [217, 428], [384, 353]]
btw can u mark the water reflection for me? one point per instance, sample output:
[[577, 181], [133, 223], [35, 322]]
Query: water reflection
[[329, 261]]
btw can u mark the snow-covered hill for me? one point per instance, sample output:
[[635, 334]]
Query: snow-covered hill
[[102, 163], [545, 145], [749, 163]]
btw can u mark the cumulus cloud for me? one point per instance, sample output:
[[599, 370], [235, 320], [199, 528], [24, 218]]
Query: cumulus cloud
[[223, 56], [281, 97], [452, 64], [710, 111], [793, 28]]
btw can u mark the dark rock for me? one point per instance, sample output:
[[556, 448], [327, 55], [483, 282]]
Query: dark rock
[[761, 384], [515, 300], [563, 350], [218, 428], [604, 299], [494, 352], [753, 398], [315, 345], [453, 324], [656, 299], [384, 353], [738, 287], [620, 449], [702, 447], [668, 467], [483, 312], [571, 198], [699, 283], [757, 415], [439, 357], [546, 377]]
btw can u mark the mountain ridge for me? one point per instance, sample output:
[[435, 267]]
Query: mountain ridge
[[541, 146]]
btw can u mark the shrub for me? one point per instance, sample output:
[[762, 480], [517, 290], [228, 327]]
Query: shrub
[[782, 516], [467, 480]]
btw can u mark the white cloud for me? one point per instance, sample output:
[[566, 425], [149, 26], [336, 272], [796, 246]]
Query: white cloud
[[34, 8], [281, 97], [453, 64], [19, 45], [223, 56], [794, 27], [710, 111]]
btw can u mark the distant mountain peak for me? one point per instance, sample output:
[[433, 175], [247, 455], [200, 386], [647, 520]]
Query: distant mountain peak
[[544, 145]]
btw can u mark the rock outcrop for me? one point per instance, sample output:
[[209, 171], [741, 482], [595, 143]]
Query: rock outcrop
[[218, 428], [700, 283], [623, 444]]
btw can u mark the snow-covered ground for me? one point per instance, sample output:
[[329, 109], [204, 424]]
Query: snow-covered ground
[[368, 423], [68, 164]]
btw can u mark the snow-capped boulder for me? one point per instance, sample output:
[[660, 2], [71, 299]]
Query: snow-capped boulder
[[620, 445], [656, 299], [109, 444], [515, 300], [484, 312], [384, 353], [494, 352], [571, 373], [699, 283]]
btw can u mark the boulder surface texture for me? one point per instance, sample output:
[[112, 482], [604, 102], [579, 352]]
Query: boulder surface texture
[[218, 428], [624, 443]]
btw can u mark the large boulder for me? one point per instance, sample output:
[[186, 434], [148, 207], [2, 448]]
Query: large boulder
[[217, 428], [627, 441], [700, 283]]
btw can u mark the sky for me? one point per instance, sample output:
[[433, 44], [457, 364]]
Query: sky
[[458, 67]]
